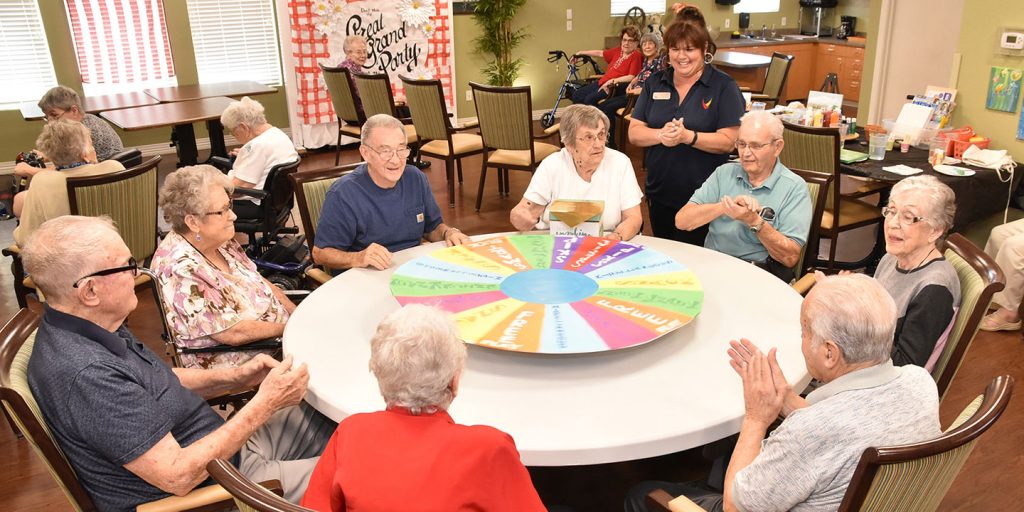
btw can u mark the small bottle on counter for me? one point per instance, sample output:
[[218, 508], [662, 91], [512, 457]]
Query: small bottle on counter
[[905, 144], [835, 119], [818, 118]]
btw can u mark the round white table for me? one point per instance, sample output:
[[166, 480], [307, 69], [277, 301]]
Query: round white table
[[672, 394]]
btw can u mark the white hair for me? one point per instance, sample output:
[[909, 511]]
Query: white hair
[[346, 46], [856, 313], [579, 116], [375, 122], [63, 249], [940, 207], [763, 118], [415, 355], [246, 111]]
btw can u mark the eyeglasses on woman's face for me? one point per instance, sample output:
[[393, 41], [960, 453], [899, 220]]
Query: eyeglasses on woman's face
[[905, 217], [132, 266]]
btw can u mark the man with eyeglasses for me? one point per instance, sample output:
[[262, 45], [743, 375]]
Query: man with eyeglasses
[[758, 210], [134, 429], [382, 207]]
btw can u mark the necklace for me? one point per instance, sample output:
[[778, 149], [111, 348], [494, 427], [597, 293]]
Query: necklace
[[915, 267]]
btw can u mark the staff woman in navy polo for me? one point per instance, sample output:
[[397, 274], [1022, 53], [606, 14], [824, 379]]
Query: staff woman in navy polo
[[688, 116]]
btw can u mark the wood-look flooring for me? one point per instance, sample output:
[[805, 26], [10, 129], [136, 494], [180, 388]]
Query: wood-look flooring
[[991, 479]]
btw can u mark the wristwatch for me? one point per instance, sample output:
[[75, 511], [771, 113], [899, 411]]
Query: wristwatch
[[757, 227], [766, 214]]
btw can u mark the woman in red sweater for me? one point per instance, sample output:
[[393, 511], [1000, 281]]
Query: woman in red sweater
[[623, 64]]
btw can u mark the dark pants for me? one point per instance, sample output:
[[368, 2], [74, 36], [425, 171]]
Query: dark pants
[[609, 107], [776, 269], [663, 225], [709, 499], [589, 94]]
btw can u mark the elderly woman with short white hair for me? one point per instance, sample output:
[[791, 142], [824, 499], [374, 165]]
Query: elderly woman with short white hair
[[263, 147], [412, 456], [924, 285], [584, 170]]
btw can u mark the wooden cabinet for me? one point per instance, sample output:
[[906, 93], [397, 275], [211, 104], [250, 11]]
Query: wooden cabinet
[[801, 71], [812, 62], [847, 62]]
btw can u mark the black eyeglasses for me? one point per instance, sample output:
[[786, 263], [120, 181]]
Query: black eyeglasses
[[132, 266]]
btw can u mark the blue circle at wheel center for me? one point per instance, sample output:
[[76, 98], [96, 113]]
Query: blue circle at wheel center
[[548, 286]]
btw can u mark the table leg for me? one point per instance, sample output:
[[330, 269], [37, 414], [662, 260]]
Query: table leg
[[184, 138], [216, 131]]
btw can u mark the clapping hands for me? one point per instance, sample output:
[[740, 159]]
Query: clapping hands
[[745, 209]]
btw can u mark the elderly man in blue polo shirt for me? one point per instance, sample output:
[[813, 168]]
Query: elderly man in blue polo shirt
[[759, 210], [382, 207], [134, 429]]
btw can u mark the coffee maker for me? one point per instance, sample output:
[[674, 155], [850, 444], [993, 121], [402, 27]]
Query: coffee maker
[[847, 27], [816, 17]]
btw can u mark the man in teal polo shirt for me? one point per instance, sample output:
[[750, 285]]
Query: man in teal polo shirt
[[758, 210]]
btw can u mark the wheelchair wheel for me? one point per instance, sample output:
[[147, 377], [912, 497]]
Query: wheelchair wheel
[[284, 282], [547, 120]]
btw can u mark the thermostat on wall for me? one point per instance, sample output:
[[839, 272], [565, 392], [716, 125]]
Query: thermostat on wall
[[1012, 41]]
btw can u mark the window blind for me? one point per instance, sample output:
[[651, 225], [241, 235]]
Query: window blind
[[756, 6], [235, 40], [619, 7], [121, 45], [28, 69]]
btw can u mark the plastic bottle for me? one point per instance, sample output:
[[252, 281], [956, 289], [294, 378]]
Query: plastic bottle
[[818, 118], [835, 119]]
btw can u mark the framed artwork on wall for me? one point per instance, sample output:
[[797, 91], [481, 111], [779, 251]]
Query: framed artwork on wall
[[1003, 89]]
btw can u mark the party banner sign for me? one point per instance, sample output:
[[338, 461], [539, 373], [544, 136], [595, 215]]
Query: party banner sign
[[411, 38]]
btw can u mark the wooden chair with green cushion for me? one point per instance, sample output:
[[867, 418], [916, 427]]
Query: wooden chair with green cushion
[[129, 197], [506, 126], [310, 192], [622, 117], [249, 496], [774, 80], [375, 93], [438, 138], [817, 186], [350, 117], [907, 477], [980, 279], [17, 339], [817, 149]]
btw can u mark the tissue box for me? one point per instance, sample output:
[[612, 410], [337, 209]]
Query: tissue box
[[571, 217]]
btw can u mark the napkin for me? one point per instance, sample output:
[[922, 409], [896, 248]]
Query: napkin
[[902, 170]]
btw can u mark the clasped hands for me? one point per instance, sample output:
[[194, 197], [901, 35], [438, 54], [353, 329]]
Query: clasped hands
[[674, 133], [766, 393], [745, 209], [281, 383]]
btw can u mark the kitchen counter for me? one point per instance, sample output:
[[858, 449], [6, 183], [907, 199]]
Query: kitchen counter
[[724, 42]]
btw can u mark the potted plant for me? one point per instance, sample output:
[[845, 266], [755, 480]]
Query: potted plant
[[497, 39]]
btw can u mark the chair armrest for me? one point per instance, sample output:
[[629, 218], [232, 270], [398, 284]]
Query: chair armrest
[[761, 96], [553, 129], [659, 500], [12, 250], [804, 284], [744, 88], [211, 497], [267, 344], [251, 192], [224, 164], [318, 275]]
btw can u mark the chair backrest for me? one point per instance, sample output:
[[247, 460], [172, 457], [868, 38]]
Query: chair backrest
[[778, 71], [249, 496], [814, 149], [917, 476], [17, 339], [311, 190], [277, 206], [375, 93], [817, 187], [429, 113], [505, 115], [129, 197], [130, 157], [980, 278], [339, 86]]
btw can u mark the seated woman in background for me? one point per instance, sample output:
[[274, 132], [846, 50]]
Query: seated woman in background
[[914, 271], [623, 64], [650, 48], [69, 148], [263, 146], [584, 169], [1006, 245], [413, 456], [212, 291], [64, 103]]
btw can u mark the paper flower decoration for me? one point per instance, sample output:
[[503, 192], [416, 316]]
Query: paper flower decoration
[[428, 28], [415, 12], [321, 7]]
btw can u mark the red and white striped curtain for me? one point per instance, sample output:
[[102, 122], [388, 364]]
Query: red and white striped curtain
[[121, 42]]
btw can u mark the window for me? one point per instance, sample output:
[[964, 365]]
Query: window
[[28, 70], [756, 6], [619, 7], [235, 40], [121, 45]]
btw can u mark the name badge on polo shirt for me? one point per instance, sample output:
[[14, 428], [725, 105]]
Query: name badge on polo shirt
[[662, 95], [419, 218]]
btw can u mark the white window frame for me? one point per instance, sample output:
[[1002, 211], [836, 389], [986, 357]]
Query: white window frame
[[756, 6], [28, 68], [619, 7], [235, 40]]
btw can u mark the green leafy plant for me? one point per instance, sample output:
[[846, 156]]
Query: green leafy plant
[[497, 39]]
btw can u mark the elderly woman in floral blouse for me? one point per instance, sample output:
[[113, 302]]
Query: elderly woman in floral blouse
[[212, 291]]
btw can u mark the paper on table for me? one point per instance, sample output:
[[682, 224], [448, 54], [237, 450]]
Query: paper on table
[[902, 170], [915, 116], [818, 99]]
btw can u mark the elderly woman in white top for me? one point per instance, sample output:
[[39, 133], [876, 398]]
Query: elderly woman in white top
[[584, 170], [263, 147]]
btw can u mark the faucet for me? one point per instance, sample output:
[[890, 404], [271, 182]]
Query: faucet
[[763, 28]]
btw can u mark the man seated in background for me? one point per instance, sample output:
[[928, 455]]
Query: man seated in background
[[133, 429], [382, 207], [846, 325], [759, 210]]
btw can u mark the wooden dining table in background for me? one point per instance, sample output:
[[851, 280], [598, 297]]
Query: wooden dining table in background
[[197, 91], [748, 69], [180, 115], [30, 110]]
